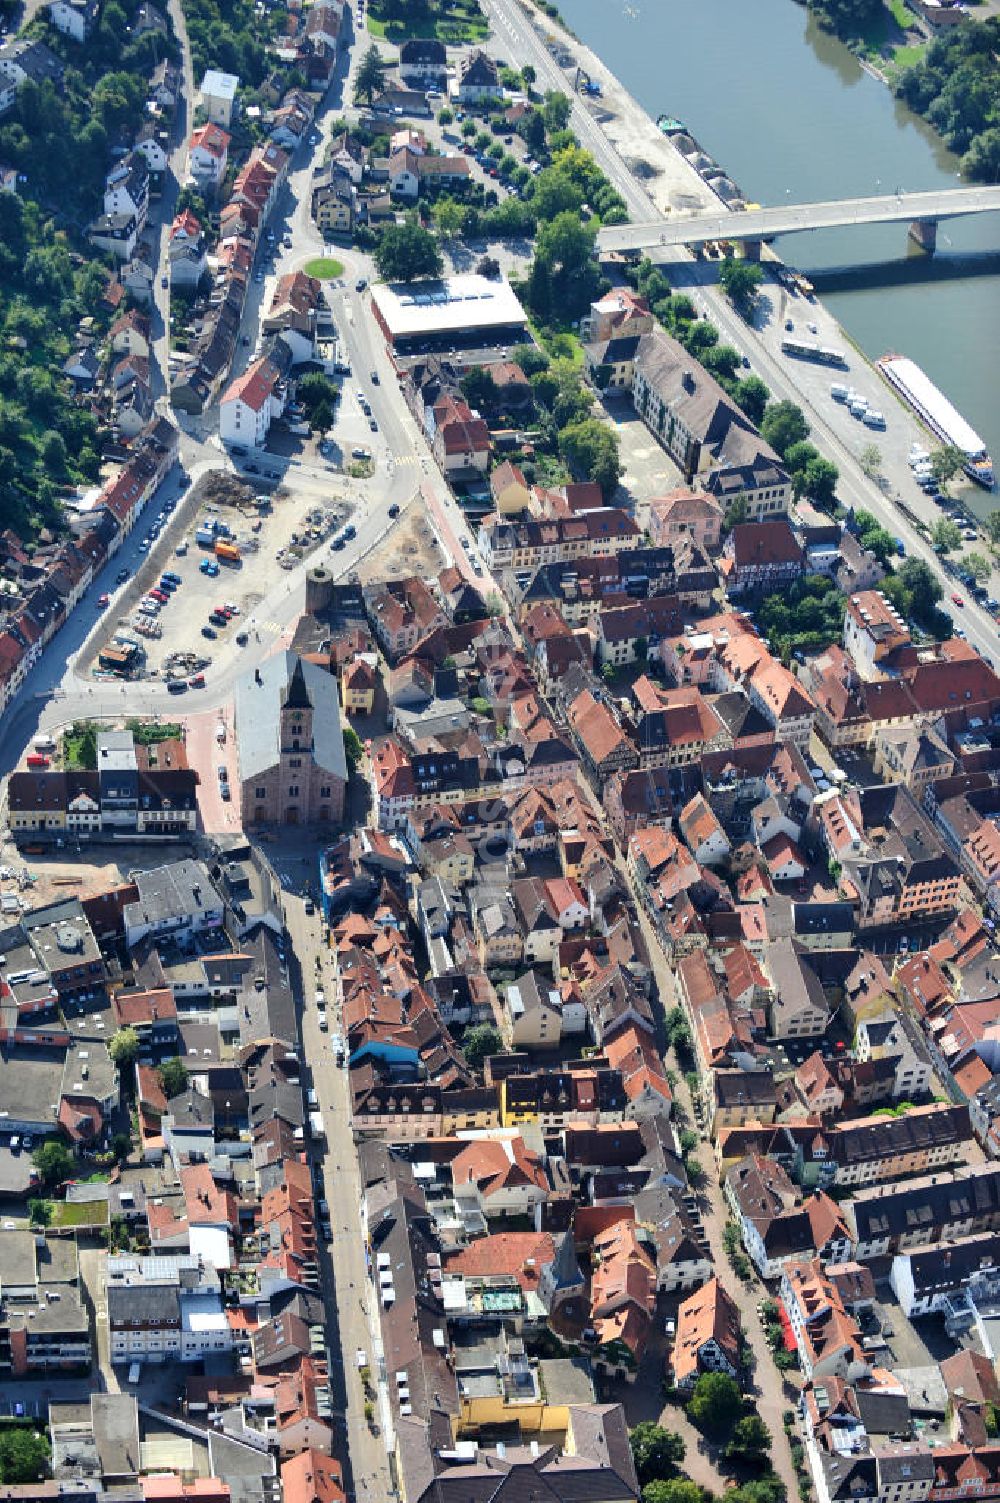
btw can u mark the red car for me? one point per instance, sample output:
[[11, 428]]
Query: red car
[[160, 595], [223, 610], [198, 682], [957, 600]]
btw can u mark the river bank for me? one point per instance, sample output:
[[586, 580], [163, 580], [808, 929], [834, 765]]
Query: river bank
[[789, 113]]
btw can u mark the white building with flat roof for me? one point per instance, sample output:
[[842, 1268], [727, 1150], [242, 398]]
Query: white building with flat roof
[[463, 312], [218, 95]]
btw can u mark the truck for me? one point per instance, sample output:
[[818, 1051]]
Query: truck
[[205, 536], [227, 551], [316, 1128]]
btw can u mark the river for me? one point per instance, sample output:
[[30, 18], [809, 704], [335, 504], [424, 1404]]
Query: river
[[786, 110]]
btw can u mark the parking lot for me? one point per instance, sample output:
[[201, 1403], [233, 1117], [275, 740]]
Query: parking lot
[[177, 632]]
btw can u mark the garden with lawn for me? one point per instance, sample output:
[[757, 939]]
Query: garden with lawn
[[325, 268]]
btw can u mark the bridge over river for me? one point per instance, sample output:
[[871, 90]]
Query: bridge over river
[[921, 211]]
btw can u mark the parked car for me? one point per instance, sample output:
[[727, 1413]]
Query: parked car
[[394, 510], [103, 600], [198, 682], [210, 632], [177, 686]]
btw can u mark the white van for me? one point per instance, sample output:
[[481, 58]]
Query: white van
[[858, 407], [44, 744], [873, 419], [838, 392]]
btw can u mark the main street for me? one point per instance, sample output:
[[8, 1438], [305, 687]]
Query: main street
[[514, 27], [346, 1287]]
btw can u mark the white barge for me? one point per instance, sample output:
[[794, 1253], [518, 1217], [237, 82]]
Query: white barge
[[934, 409]]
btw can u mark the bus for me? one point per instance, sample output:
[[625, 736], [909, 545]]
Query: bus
[[807, 349]]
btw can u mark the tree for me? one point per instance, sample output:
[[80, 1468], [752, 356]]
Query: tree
[[752, 396], [673, 1490], [24, 1455], [923, 586], [479, 389], [783, 425], [993, 528], [479, 1042], [321, 417], [556, 112], [946, 535], [655, 1451], [353, 750], [750, 1439], [447, 216], [715, 1403], [736, 512], [370, 77], [531, 129], [592, 448], [53, 1161], [173, 1076], [739, 281], [314, 390], [123, 1046], [873, 536], [945, 464], [121, 1146], [53, 453], [870, 459], [820, 481], [978, 566], [563, 274], [407, 253], [84, 734], [528, 76], [445, 116], [39, 1212]]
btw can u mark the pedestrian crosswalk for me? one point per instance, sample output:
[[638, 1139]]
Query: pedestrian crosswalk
[[406, 459]]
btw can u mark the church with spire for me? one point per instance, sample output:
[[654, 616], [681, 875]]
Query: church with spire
[[290, 744]]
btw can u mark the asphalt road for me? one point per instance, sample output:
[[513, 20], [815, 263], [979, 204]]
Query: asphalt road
[[347, 1291]]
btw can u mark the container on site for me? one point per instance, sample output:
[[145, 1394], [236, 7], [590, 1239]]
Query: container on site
[[205, 536], [228, 551]]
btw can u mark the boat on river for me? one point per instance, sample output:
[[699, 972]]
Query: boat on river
[[944, 420]]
